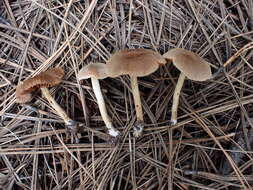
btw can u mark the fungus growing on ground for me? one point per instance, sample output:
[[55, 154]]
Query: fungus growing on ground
[[135, 63], [49, 78], [97, 71], [191, 66]]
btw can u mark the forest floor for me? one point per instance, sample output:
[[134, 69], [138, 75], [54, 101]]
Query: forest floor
[[209, 148]]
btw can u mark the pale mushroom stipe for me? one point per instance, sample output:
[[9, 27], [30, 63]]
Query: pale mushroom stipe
[[135, 63], [97, 71], [49, 78], [191, 66]]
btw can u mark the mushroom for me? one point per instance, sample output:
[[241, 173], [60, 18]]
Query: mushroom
[[135, 63], [49, 78], [97, 71], [191, 66]]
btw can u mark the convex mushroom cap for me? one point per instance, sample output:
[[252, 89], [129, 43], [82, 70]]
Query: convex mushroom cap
[[190, 64], [49, 78], [96, 70], [134, 62]]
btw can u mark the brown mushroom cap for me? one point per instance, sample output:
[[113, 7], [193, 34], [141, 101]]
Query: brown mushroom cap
[[45, 79], [190, 64], [134, 62], [23, 98], [97, 70]]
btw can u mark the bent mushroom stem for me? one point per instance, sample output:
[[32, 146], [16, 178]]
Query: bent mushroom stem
[[57, 107], [176, 95], [138, 107], [102, 108]]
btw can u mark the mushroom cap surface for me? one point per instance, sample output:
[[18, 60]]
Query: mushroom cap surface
[[97, 70], [49, 78], [23, 98], [190, 64], [134, 62]]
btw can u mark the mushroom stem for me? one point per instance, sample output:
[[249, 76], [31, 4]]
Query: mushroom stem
[[57, 107], [138, 128], [176, 95], [137, 98], [102, 108]]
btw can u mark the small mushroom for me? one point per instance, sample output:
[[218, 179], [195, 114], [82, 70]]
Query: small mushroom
[[97, 71], [135, 63], [191, 66], [49, 78]]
